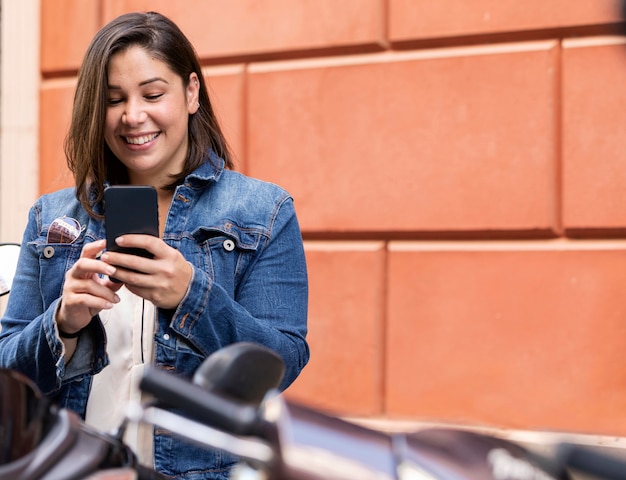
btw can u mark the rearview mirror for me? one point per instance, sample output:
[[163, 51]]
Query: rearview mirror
[[244, 371]]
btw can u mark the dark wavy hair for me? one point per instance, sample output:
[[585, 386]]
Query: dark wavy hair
[[88, 157]]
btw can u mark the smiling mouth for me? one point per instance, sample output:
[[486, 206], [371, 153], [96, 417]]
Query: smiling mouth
[[141, 140]]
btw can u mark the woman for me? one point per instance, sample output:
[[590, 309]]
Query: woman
[[229, 264]]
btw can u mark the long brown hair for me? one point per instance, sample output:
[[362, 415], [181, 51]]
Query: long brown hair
[[88, 156]]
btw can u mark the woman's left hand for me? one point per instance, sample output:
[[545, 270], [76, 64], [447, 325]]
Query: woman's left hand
[[162, 279]]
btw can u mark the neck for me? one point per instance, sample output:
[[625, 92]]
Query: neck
[[164, 201]]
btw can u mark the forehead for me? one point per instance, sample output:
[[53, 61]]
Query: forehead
[[135, 64]]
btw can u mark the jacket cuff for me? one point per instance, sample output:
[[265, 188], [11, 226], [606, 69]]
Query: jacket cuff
[[193, 303]]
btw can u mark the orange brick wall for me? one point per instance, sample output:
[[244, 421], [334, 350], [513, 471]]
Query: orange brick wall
[[459, 170]]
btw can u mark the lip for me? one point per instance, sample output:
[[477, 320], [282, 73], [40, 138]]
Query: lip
[[140, 140]]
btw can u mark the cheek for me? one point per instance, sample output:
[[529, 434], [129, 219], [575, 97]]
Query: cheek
[[172, 118], [109, 127]]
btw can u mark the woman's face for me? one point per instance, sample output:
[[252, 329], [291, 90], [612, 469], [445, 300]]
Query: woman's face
[[147, 116]]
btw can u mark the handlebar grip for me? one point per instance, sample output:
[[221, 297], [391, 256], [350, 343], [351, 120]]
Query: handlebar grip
[[601, 462], [200, 404]]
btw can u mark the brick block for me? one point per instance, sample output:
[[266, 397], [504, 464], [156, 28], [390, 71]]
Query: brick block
[[518, 335], [67, 27], [428, 141], [226, 90], [56, 97], [249, 27], [594, 137], [345, 328], [425, 19]]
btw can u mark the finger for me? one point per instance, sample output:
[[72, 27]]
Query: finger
[[77, 310], [126, 261], [165, 289], [147, 242], [93, 249], [81, 299], [86, 267], [94, 286], [90, 301], [113, 286]]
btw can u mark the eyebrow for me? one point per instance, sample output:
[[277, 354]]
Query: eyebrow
[[141, 84]]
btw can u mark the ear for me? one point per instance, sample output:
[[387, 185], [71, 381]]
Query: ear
[[193, 93]]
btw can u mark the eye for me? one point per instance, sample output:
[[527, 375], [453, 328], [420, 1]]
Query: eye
[[154, 96], [115, 101]]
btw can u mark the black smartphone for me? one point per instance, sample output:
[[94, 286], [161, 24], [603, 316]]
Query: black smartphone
[[130, 209]]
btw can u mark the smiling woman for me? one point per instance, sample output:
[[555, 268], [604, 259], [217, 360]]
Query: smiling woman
[[147, 116], [228, 265]]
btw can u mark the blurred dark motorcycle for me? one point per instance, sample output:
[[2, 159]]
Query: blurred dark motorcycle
[[232, 403], [39, 441], [228, 406]]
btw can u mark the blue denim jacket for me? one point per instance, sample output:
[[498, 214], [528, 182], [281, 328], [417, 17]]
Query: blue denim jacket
[[255, 292]]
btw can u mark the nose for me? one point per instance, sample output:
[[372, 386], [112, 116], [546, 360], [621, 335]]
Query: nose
[[134, 114]]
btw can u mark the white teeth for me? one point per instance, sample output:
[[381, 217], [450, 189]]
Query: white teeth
[[141, 140]]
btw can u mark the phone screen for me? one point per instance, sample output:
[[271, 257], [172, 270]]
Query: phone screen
[[130, 209]]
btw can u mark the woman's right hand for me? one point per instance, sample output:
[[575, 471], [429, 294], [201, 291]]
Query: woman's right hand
[[85, 291]]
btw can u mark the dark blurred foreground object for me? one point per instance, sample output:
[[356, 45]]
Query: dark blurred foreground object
[[280, 440], [40, 442], [23, 417], [602, 462]]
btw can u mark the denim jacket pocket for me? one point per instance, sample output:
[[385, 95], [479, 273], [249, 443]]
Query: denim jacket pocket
[[54, 261], [246, 239], [227, 251]]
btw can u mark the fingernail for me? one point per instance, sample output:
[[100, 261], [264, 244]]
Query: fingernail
[[117, 298], [110, 270]]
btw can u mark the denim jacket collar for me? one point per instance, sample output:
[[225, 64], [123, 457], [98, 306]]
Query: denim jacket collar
[[210, 171]]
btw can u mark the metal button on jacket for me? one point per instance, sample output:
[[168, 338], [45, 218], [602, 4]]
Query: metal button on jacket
[[229, 245], [48, 252]]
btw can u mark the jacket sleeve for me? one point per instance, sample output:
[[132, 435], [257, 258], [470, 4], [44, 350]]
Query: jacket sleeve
[[29, 341], [269, 306]]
